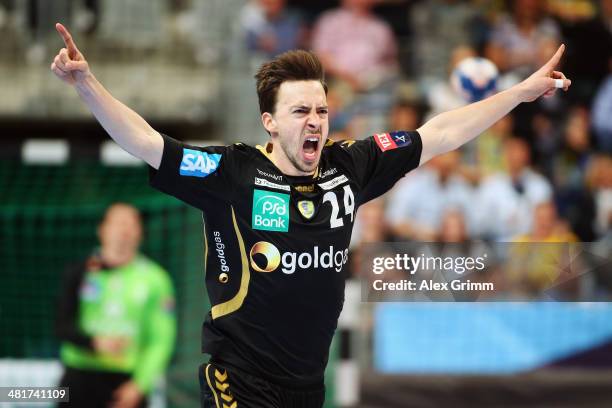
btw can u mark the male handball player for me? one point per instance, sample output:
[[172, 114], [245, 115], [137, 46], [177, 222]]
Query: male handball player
[[278, 218]]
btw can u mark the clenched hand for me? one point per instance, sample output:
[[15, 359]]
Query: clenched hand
[[69, 64]]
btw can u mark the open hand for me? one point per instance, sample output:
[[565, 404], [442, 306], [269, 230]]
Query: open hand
[[543, 81], [69, 64]]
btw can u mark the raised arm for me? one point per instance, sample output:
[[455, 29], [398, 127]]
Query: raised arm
[[125, 126], [450, 130]]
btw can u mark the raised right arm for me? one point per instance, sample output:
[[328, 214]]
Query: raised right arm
[[125, 126]]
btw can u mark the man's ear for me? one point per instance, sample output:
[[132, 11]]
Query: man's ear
[[269, 123]]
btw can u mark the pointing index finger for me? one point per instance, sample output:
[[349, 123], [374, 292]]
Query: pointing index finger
[[72, 48], [552, 63]]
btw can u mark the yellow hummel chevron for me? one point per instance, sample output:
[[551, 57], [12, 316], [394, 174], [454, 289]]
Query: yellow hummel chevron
[[220, 377], [221, 386]]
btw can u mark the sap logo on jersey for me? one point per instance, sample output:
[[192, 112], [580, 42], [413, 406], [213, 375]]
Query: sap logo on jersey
[[265, 257], [393, 140], [270, 211], [198, 164]]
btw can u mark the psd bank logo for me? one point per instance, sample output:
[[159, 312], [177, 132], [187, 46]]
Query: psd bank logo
[[270, 211], [198, 164], [265, 257]]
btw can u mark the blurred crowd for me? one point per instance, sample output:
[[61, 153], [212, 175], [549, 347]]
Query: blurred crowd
[[388, 65], [541, 174]]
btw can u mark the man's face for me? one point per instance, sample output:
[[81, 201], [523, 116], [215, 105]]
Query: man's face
[[300, 125], [545, 218], [516, 153], [120, 232]]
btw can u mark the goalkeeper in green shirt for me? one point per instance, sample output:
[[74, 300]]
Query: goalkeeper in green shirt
[[116, 319]]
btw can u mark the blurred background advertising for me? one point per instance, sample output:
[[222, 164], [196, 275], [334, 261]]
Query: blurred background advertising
[[542, 174]]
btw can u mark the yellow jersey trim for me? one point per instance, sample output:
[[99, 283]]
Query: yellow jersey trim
[[210, 386], [235, 303]]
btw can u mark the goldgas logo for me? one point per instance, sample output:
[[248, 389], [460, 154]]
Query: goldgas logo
[[265, 257], [268, 254], [270, 211], [198, 164]]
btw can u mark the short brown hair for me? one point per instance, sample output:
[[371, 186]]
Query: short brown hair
[[296, 65]]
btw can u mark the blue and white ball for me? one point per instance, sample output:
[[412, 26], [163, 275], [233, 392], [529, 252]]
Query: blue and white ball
[[475, 78]]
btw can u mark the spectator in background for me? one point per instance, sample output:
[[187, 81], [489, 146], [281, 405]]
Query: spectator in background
[[602, 124], [418, 202], [439, 93], [488, 148], [116, 319], [547, 226], [406, 114], [87, 17], [516, 38], [440, 27], [359, 53], [371, 228], [455, 241], [453, 228], [271, 28], [370, 224], [573, 157], [570, 165], [540, 264], [599, 179], [587, 32], [546, 142], [507, 200], [355, 46]]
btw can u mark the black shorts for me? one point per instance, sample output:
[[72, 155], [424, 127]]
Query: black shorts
[[87, 388], [225, 387]]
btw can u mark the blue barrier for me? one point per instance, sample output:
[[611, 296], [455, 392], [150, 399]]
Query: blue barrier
[[486, 338]]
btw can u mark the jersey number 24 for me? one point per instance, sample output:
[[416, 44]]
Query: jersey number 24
[[349, 206]]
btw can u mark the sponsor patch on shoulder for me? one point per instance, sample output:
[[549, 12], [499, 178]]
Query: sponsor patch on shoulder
[[393, 140], [198, 164]]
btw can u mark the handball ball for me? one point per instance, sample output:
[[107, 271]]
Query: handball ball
[[474, 79]]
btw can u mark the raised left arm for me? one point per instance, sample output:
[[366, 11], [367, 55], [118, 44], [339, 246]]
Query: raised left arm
[[449, 130]]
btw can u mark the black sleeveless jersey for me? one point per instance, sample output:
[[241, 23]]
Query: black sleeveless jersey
[[276, 244]]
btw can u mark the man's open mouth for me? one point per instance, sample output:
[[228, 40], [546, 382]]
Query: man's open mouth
[[311, 144]]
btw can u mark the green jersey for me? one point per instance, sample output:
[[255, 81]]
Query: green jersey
[[135, 302]]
